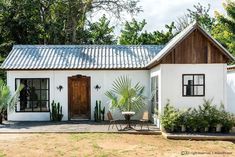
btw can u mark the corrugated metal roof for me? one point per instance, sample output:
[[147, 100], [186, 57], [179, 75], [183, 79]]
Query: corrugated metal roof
[[80, 56]]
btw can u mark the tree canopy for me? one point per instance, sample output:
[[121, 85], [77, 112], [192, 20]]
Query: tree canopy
[[133, 34], [224, 29], [200, 14]]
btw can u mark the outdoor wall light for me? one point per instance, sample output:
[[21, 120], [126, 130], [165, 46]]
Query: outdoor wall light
[[97, 87], [59, 88]]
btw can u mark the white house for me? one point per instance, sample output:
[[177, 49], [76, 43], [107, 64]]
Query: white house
[[191, 67], [231, 88]]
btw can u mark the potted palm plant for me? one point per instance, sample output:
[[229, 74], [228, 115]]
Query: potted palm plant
[[7, 101], [126, 97]]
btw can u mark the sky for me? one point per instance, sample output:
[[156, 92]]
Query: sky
[[158, 13]]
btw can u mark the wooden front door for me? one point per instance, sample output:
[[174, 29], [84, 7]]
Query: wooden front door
[[79, 97]]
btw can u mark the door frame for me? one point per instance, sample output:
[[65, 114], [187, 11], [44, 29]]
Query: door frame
[[89, 94]]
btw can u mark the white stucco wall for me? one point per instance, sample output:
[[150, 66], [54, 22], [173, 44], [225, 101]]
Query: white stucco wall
[[171, 83], [231, 90], [103, 78]]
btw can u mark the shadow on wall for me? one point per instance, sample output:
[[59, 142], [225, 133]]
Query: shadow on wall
[[231, 95]]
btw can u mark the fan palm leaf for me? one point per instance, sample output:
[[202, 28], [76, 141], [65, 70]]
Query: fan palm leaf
[[126, 97]]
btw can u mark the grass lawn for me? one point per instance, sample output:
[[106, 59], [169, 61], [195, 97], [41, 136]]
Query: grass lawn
[[104, 145]]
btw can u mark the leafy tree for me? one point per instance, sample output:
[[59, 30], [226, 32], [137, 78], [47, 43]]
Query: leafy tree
[[131, 33], [224, 30], [54, 21], [100, 32], [199, 14], [161, 37]]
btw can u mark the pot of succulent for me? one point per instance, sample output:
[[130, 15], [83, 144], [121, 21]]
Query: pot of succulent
[[7, 101]]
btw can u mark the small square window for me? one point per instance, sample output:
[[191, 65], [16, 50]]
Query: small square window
[[193, 85]]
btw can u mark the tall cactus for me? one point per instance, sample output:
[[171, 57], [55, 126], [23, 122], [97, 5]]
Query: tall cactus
[[56, 111], [98, 112]]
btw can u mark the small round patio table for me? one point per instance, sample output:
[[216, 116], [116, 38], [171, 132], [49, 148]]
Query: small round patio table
[[128, 116]]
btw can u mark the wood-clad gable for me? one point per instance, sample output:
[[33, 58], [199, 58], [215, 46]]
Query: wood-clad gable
[[195, 49]]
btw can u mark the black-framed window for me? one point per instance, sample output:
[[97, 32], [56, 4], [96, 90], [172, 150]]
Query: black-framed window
[[34, 97], [193, 84]]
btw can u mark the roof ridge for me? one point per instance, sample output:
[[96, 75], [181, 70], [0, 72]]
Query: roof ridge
[[54, 46]]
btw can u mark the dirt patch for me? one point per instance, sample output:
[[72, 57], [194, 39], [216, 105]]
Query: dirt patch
[[50, 145]]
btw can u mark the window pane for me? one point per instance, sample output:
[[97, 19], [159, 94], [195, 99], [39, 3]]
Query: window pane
[[34, 94], [188, 90], [187, 79], [44, 83], [29, 106], [29, 83], [36, 105], [45, 106], [198, 79], [36, 83], [198, 90], [44, 94]]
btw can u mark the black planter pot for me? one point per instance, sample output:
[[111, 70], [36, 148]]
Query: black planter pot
[[201, 130], [169, 130], [212, 129], [177, 129], [225, 129], [189, 129]]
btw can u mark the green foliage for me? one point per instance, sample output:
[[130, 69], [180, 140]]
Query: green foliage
[[224, 30], [126, 97], [5, 96], [100, 32], [54, 21], [134, 34], [131, 33], [98, 112], [58, 22], [226, 119], [170, 117], [199, 14], [197, 119], [56, 111], [8, 101]]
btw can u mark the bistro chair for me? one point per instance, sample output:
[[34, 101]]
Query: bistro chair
[[144, 120], [112, 121]]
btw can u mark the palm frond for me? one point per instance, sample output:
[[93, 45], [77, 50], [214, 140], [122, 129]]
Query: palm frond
[[127, 97]]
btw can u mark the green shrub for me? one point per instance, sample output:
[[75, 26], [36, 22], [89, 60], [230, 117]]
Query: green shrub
[[197, 119], [169, 118], [227, 120]]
